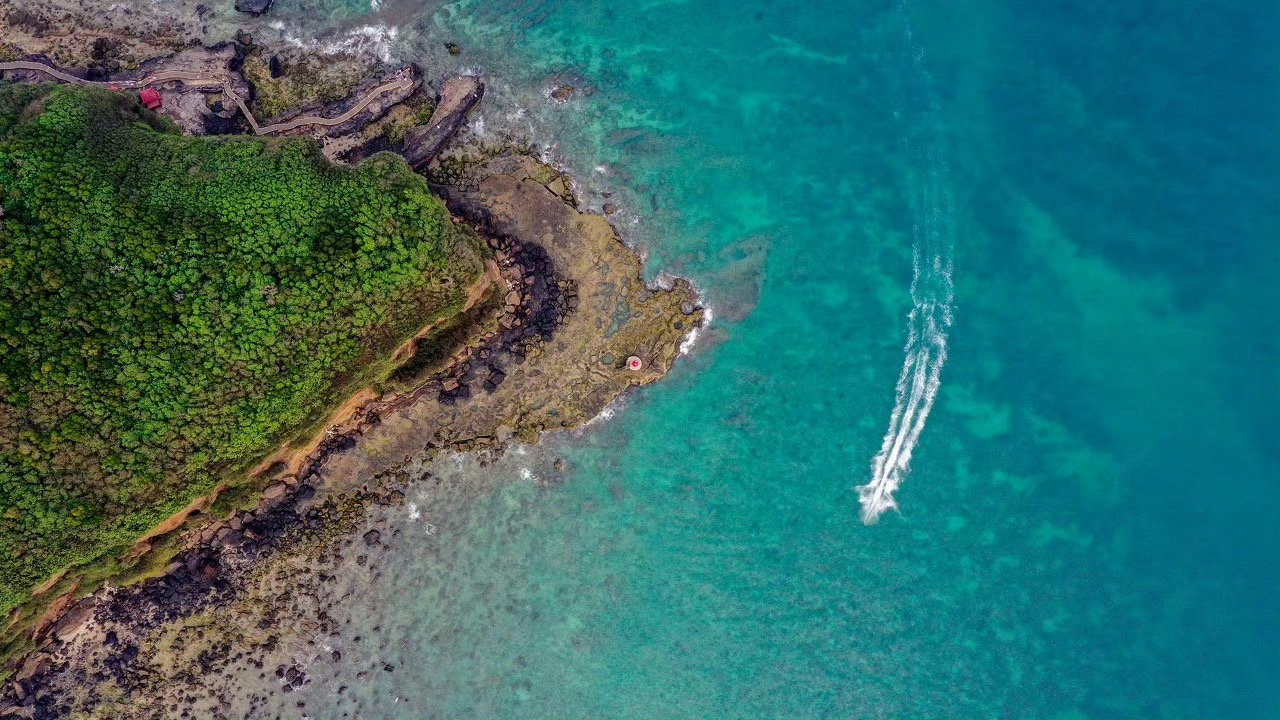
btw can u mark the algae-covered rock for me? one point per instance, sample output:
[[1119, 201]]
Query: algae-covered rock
[[456, 98]]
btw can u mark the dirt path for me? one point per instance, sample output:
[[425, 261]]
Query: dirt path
[[173, 522], [225, 82], [492, 275], [295, 456]]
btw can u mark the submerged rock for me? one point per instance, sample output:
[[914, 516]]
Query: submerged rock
[[253, 7], [457, 96]]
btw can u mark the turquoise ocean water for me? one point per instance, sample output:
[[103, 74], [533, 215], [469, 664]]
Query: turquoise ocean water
[[1087, 197]]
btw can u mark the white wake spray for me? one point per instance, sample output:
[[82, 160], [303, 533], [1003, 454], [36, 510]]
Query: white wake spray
[[933, 235], [926, 352]]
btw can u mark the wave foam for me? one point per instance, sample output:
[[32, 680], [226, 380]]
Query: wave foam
[[690, 340], [932, 292], [370, 40]]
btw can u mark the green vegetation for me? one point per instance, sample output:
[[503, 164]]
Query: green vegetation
[[172, 309], [413, 112], [431, 353], [309, 80]]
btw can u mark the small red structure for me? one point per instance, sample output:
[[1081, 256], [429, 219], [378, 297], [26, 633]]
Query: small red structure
[[634, 363], [150, 98]]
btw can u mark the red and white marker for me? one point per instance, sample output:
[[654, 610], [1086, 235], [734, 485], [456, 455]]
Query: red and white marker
[[634, 363]]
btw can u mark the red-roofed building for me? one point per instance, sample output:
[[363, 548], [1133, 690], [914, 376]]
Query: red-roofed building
[[150, 98]]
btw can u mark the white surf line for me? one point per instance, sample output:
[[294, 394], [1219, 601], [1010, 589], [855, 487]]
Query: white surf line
[[927, 323]]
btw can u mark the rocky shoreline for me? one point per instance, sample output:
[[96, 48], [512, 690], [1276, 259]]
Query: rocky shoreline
[[549, 351]]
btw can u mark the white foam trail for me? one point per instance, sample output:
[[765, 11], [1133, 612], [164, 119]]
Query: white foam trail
[[927, 323], [917, 387], [926, 351]]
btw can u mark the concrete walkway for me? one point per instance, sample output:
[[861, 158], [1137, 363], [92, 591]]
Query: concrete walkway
[[225, 82]]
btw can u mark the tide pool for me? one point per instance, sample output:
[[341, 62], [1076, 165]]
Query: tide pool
[[1090, 524]]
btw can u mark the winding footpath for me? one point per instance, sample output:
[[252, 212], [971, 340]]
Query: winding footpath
[[402, 83]]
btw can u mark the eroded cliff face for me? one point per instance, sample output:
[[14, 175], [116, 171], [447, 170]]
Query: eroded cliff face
[[550, 350]]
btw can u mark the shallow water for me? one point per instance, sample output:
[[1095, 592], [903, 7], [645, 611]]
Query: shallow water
[[1089, 527]]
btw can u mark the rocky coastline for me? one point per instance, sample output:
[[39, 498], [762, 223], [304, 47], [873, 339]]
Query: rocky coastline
[[571, 326]]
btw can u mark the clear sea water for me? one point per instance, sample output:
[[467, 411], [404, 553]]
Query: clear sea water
[[1091, 523]]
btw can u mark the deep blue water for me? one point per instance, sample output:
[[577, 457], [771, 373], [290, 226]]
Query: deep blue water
[[1091, 522]]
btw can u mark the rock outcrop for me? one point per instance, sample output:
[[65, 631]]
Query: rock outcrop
[[253, 7], [457, 96], [552, 355]]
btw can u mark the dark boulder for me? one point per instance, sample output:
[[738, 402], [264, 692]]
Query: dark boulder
[[457, 96], [253, 7]]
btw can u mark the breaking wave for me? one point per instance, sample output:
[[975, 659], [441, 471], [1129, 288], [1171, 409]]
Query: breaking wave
[[370, 40], [933, 235]]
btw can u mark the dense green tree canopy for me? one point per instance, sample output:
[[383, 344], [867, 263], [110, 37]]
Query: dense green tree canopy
[[172, 307]]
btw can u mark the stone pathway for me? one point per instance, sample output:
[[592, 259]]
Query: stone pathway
[[399, 84]]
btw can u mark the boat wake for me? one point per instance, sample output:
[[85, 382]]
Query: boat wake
[[933, 233], [926, 352]]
